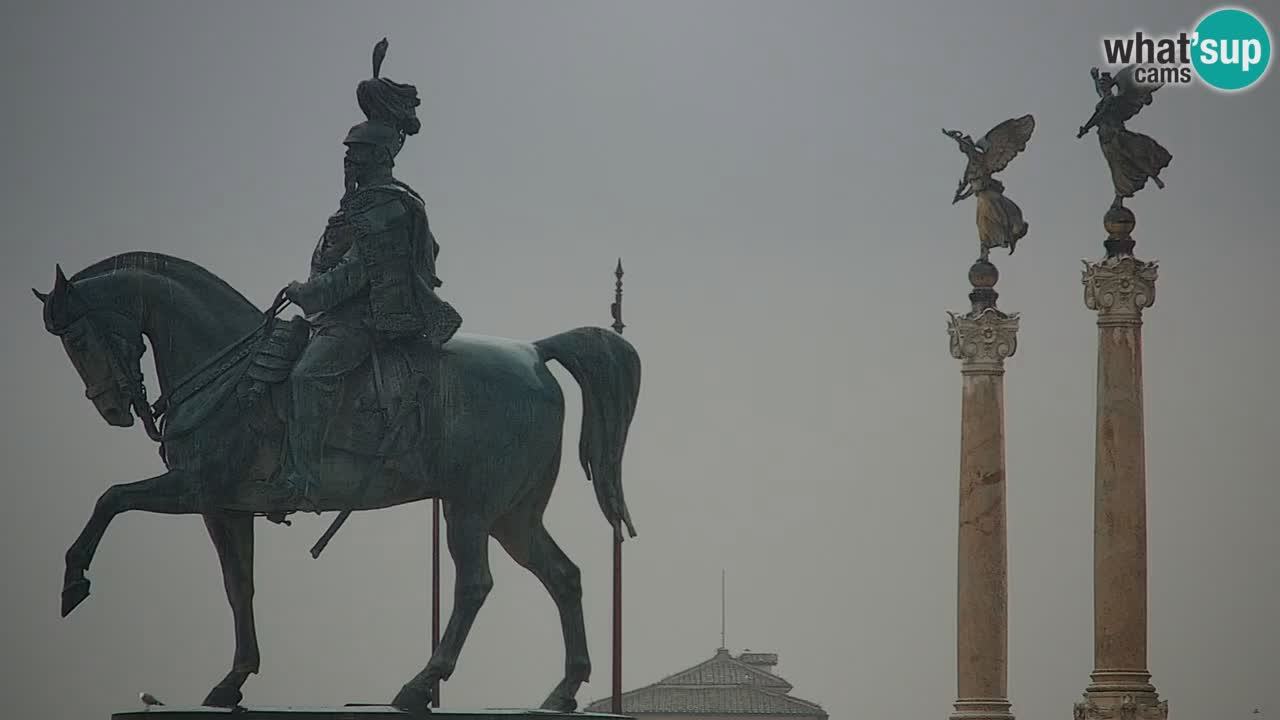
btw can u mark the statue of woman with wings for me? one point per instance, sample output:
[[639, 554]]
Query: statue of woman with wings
[[1000, 222], [1133, 157]]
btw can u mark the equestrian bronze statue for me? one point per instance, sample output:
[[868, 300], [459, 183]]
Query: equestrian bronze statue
[[370, 400]]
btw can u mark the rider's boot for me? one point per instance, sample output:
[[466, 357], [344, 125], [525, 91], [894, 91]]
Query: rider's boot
[[313, 403]]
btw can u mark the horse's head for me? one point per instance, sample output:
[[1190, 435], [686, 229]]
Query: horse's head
[[104, 344]]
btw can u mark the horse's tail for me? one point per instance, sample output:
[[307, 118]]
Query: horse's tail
[[607, 369]]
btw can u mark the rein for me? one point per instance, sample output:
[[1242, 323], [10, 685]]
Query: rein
[[176, 394]]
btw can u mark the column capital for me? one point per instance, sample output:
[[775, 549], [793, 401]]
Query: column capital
[[1119, 288], [982, 339]]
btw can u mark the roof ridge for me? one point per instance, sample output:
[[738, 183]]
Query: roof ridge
[[689, 669], [722, 656], [667, 700], [755, 669]]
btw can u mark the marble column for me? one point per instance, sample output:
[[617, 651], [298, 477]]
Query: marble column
[[1119, 287], [981, 339]]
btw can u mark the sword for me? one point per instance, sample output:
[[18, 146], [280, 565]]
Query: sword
[[409, 404], [328, 534]]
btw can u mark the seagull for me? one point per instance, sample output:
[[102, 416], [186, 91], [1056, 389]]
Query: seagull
[[148, 699]]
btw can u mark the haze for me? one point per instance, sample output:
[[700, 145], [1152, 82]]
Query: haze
[[774, 179]]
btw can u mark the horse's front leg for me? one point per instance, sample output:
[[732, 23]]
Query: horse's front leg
[[160, 494], [232, 535]]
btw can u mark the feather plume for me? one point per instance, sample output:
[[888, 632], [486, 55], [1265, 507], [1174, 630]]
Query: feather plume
[[379, 52]]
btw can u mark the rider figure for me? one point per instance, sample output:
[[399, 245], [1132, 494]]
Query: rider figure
[[372, 277]]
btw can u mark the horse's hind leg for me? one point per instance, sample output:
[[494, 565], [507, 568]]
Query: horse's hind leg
[[527, 541], [160, 494], [468, 539], [232, 535]]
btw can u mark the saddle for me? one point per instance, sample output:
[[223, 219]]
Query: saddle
[[381, 412]]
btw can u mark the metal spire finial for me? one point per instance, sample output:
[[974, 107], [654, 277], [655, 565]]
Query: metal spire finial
[[723, 646], [616, 308]]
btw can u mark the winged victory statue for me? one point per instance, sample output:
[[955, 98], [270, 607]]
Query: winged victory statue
[[1133, 157], [1000, 221]]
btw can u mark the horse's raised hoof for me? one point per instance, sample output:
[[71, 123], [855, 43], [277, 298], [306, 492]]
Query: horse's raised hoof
[[413, 699], [223, 696], [74, 593]]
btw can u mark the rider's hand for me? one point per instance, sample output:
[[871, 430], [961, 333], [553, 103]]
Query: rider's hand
[[296, 293]]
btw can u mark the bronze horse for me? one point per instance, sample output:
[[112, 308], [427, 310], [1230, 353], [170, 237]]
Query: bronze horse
[[486, 440]]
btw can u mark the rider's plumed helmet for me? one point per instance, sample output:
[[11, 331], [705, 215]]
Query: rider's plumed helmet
[[391, 109]]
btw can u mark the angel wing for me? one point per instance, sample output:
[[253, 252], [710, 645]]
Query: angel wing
[[1131, 96], [1000, 145]]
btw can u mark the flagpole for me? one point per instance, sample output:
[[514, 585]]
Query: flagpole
[[616, 706], [435, 590]]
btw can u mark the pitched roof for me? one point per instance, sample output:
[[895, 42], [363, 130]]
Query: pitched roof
[[724, 669], [722, 685]]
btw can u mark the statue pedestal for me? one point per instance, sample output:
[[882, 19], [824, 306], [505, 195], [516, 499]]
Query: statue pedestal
[[346, 712]]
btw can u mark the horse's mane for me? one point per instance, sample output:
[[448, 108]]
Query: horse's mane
[[182, 271]]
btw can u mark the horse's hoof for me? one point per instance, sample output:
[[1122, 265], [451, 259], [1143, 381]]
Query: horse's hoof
[[223, 696], [413, 699], [74, 593], [558, 703]]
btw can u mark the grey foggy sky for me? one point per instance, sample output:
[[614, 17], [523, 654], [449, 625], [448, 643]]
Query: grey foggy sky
[[774, 178]]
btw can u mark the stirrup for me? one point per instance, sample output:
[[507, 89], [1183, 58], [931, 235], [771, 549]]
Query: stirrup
[[279, 518]]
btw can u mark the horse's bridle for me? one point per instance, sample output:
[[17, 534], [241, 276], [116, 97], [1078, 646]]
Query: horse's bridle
[[88, 339], [85, 336]]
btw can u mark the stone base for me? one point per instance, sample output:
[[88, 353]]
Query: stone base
[[1121, 695], [346, 712], [982, 709], [1127, 707]]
